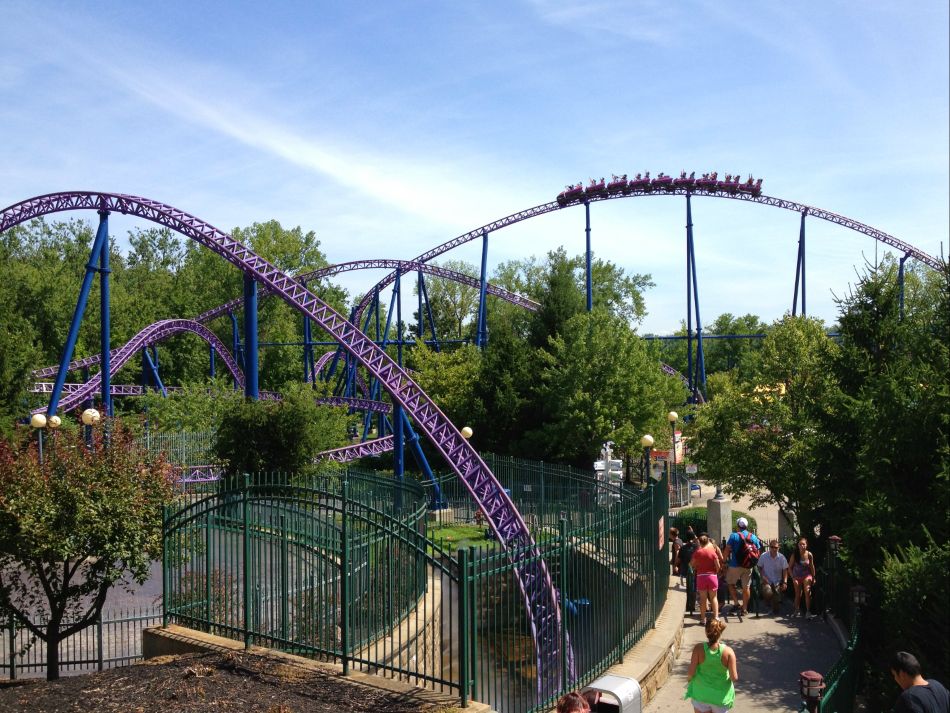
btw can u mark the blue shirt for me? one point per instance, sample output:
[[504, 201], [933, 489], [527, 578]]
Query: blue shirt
[[734, 542]]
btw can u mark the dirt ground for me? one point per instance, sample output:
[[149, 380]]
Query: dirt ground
[[198, 683]]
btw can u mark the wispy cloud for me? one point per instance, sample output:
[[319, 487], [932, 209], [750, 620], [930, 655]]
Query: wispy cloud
[[215, 100], [654, 22]]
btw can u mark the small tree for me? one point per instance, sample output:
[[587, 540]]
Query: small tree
[[74, 525], [284, 436]]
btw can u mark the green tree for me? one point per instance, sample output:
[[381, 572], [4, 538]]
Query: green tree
[[73, 526], [450, 378], [281, 436], [891, 450], [597, 381], [454, 304], [761, 436]]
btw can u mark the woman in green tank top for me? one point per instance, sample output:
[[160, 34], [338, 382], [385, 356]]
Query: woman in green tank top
[[712, 672]]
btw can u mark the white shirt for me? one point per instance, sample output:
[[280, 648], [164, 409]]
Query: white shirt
[[772, 567]]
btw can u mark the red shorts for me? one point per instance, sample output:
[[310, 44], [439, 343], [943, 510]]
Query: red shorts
[[707, 582]]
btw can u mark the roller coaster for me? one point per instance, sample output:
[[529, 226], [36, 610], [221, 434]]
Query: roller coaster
[[385, 373]]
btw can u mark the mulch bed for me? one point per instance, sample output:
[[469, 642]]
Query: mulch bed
[[198, 683]]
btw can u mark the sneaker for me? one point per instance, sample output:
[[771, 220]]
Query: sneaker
[[812, 616]]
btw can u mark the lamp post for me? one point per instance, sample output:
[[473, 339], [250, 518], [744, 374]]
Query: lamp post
[[38, 422], [647, 442], [672, 417], [811, 685], [90, 417]]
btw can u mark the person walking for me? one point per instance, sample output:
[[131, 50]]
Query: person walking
[[802, 566], [572, 702], [918, 694], [741, 551], [712, 673], [773, 568], [706, 562]]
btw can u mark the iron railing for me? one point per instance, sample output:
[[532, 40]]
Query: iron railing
[[842, 682], [344, 568], [115, 640], [182, 449]]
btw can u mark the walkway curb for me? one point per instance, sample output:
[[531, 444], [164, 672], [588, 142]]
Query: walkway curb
[[650, 661]]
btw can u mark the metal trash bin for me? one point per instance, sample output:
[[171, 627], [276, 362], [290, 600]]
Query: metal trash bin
[[624, 691]]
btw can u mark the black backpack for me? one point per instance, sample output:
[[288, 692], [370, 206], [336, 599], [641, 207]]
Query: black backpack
[[748, 553], [686, 554]]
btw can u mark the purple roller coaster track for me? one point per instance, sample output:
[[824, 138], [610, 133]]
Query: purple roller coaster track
[[308, 277], [635, 192], [541, 599], [151, 334]]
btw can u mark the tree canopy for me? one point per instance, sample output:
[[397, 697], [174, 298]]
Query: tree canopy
[[73, 525]]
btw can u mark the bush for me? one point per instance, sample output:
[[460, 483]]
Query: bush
[[914, 597], [284, 436], [697, 516]]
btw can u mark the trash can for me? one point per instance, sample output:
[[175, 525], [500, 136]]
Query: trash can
[[619, 694]]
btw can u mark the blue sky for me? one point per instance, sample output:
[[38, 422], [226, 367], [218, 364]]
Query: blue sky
[[390, 127]]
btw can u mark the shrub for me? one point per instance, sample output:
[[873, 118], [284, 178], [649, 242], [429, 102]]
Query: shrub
[[283, 436], [697, 516]]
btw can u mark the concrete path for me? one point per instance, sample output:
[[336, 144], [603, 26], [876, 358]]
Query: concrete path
[[770, 650]]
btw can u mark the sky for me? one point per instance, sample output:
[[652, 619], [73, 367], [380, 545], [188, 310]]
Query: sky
[[391, 127]]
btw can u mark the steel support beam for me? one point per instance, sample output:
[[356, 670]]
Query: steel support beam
[[102, 236], [250, 338]]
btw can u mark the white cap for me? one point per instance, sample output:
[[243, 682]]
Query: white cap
[[742, 523]]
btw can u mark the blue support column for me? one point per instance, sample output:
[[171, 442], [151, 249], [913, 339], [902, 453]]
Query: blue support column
[[308, 362], [435, 338], [800, 268], [590, 285], [900, 283], [250, 338], [399, 443], [236, 344], [102, 235], [689, 296], [152, 366], [700, 356], [438, 500], [420, 324], [397, 293], [105, 323], [211, 372], [483, 284]]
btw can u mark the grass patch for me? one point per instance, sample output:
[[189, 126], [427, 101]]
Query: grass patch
[[461, 535]]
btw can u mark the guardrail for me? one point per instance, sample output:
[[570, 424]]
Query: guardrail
[[342, 569]]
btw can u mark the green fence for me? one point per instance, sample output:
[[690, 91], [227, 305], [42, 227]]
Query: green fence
[[115, 640], [344, 568], [843, 680], [182, 449]]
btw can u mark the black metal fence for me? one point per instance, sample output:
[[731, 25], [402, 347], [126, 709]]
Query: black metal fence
[[115, 640]]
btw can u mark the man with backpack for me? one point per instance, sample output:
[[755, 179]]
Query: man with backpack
[[742, 555]]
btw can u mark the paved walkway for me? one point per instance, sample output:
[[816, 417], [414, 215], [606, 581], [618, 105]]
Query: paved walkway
[[770, 650]]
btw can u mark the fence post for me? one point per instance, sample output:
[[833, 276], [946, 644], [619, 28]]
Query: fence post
[[345, 583], [562, 534], [208, 570], [12, 647], [284, 577], [246, 518], [621, 544], [165, 573], [463, 627], [99, 655]]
